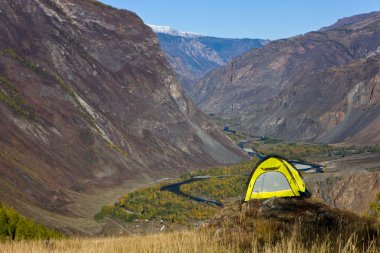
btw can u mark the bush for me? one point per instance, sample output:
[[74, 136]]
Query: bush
[[13, 226], [151, 203]]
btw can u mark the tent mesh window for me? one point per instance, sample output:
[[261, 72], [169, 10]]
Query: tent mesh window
[[271, 182]]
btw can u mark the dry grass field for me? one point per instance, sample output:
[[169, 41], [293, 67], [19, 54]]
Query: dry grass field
[[186, 241], [280, 225]]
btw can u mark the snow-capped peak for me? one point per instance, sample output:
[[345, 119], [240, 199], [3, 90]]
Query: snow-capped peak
[[171, 31]]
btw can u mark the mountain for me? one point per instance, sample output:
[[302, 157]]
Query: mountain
[[171, 31], [192, 55], [341, 23], [90, 108], [323, 86]]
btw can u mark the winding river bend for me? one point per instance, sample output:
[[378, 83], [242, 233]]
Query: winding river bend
[[175, 188]]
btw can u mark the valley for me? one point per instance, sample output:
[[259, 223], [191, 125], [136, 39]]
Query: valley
[[319, 87], [119, 136], [192, 55], [90, 109], [350, 181]]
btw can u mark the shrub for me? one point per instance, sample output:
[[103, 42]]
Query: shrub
[[13, 226]]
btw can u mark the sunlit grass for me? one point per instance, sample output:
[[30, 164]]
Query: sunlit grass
[[185, 241]]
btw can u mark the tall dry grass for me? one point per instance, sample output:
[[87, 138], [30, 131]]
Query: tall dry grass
[[276, 225], [184, 241], [189, 241]]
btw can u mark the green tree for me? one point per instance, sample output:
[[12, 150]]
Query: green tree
[[13, 226]]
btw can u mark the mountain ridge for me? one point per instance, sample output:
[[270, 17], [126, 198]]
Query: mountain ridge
[[192, 55], [90, 109], [256, 92]]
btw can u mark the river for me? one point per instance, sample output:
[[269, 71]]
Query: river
[[176, 189]]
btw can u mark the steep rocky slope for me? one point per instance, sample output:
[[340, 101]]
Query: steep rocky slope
[[192, 56], [90, 108], [322, 86], [349, 183]]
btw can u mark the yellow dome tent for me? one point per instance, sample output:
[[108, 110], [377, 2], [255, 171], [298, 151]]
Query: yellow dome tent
[[274, 176]]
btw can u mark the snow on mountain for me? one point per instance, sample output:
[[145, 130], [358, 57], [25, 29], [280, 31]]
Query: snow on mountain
[[171, 31]]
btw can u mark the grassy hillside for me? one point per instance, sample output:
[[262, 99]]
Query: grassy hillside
[[305, 227], [13, 226], [308, 223]]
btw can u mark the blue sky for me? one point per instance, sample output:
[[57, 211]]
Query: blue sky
[[267, 19]]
